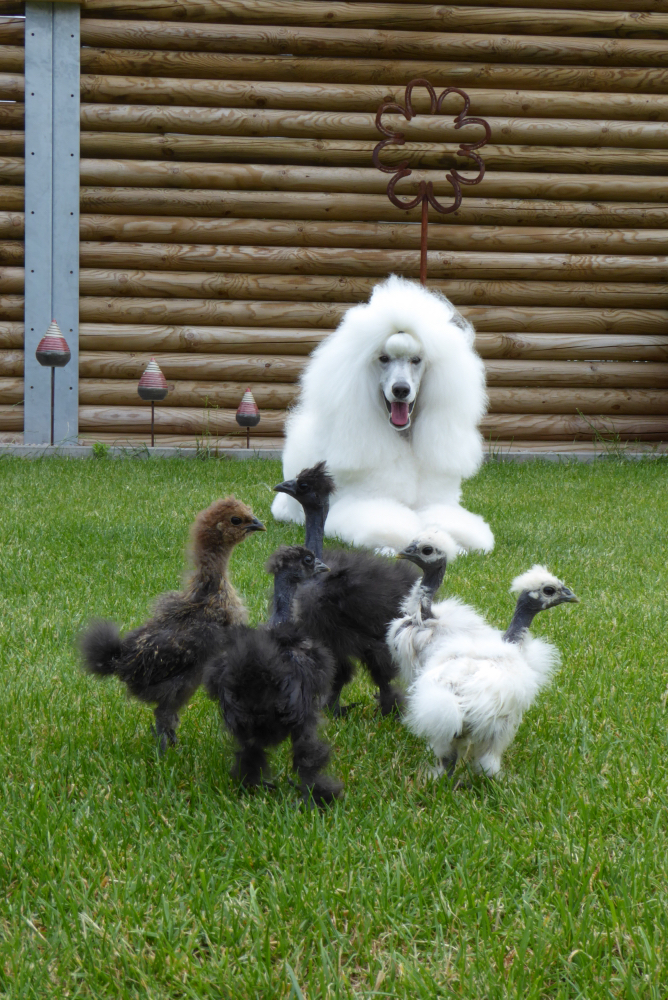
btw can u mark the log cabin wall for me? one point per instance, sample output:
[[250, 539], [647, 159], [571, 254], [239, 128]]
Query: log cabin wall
[[230, 213]]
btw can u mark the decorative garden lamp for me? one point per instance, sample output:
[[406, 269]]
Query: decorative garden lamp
[[248, 414], [53, 352], [152, 386]]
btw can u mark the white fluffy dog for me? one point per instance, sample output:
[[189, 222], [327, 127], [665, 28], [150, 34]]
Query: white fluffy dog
[[391, 402]]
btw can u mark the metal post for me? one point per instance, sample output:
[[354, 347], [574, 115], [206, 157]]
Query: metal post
[[51, 212]]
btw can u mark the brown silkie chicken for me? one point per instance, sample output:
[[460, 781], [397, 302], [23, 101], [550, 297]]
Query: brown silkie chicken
[[162, 662]]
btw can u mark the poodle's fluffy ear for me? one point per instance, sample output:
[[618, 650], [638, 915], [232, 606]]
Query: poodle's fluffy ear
[[341, 417]]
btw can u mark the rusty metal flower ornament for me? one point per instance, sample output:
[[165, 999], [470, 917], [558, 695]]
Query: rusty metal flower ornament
[[425, 193]]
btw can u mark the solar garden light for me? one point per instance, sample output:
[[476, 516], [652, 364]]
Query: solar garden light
[[53, 352], [152, 385], [248, 414]]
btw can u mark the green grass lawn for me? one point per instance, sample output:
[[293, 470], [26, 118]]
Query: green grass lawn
[[123, 875]]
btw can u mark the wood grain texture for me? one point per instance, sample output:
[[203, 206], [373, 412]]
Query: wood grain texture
[[564, 427], [11, 390], [326, 260], [369, 207], [355, 180], [12, 141], [12, 30], [11, 253], [203, 444], [117, 364], [11, 417], [12, 58], [365, 42], [11, 307], [649, 402], [573, 347], [224, 66], [537, 103], [12, 86], [197, 339], [342, 288], [11, 197], [12, 169], [11, 334], [182, 392], [421, 16], [358, 125], [11, 280], [100, 309], [170, 419], [580, 374], [11, 363]]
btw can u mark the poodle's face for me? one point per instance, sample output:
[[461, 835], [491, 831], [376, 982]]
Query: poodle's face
[[401, 367]]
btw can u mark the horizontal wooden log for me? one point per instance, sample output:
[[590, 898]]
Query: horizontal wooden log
[[11, 335], [99, 309], [204, 445], [485, 319], [12, 142], [224, 66], [11, 115], [369, 207], [11, 363], [355, 152], [567, 427], [358, 180], [273, 396], [573, 347], [11, 280], [12, 169], [12, 30], [648, 402], [341, 288], [536, 103], [390, 236], [326, 260], [580, 374], [350, 125], [117, 364], [11, 417], [525, 345], [11, 58], [11, 196], [182, 392], [11, 307], [326, 316], [11, 86], [410, 16], [11, 390], [365, 42], [169, 419], [499, 449]]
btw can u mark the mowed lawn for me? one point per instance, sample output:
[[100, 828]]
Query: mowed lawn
[[123, 875]]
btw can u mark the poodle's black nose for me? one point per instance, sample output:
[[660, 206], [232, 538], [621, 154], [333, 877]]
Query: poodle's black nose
[[400, 390]]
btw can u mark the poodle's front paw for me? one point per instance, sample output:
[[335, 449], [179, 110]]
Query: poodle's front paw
[[386, 550]]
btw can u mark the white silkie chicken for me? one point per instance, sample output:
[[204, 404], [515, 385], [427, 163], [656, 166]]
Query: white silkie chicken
[[475, 685], [422, 626]]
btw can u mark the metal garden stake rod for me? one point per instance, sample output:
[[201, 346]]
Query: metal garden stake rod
[[152, 385], [425, 193], [53, 352]]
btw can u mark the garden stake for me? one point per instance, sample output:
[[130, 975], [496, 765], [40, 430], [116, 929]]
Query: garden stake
[[248, 414], [53, 352], [425, 193], [152, 385]]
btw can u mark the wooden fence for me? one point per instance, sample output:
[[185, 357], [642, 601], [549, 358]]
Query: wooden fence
[[230, 213]]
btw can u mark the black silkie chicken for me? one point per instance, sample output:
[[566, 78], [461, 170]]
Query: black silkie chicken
[[162, 662], [348, 609], [269, 683]]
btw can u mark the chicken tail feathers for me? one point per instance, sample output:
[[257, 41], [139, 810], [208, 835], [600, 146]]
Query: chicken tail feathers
[[100, 647]]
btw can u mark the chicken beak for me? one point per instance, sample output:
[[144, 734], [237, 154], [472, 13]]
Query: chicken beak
[[568, 596], [289, 487], [255, 525], [319, 567], [408, 553]]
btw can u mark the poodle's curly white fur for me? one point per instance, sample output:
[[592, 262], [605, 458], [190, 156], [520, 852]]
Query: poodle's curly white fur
[[392, 484]]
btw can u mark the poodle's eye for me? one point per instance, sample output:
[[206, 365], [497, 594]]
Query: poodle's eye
[[549, 591], [427, 550], [416, 360], [383, 359], [235, 520]]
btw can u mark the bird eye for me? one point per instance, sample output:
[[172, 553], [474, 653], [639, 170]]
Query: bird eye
[[549, 591], [302, 487], [383, 359], [427, 550], [235, 520], [416, 360], [308, 560]]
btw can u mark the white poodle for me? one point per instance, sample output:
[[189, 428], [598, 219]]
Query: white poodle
[[391, 402]]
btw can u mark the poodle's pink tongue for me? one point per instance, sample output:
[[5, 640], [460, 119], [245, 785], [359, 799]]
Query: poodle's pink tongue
[[399, 414]]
